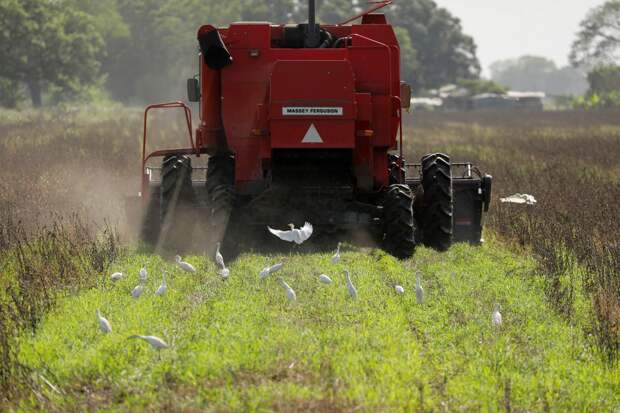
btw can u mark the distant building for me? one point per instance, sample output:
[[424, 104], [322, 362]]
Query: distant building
[[457, 99], [426, 103], [529, 100], [492, 101]]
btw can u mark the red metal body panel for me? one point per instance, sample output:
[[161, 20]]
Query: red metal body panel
[[351, 97], [312, 84]]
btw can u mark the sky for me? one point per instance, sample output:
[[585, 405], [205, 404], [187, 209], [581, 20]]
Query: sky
[[505, 29]]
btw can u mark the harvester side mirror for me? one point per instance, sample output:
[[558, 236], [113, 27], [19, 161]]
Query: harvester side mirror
[[193, 90], [405, 95]]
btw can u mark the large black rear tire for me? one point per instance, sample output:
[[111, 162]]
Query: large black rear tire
[[221, 195], [177, 203], [434, 212], [399, 225], [396, 169]]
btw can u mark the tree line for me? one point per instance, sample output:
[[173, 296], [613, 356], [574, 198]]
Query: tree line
[[137, 51]]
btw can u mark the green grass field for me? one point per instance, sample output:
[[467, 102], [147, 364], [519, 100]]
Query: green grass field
[[241, 346]]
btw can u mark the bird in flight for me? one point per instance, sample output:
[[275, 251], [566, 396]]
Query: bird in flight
[[526, 199], [298, 236]]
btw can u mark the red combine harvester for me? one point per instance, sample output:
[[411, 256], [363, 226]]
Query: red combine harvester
[[304, 123]]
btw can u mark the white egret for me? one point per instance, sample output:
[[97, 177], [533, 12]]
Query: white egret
[[155, 342], [519, 199], [325, 279], [399, 289], [219, 259], [224, 273], [297, 236], [117, 276], [419, 291], [164, 285], [143, 273], [270, 270], [185, 266], [336, 257], [496, 318], [350, 286], [290, 294], [104, 324], [138, 290]]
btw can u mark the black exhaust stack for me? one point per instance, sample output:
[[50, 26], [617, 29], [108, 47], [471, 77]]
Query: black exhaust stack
[[312, 35]]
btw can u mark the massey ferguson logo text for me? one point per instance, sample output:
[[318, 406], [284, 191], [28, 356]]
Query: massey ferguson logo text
[[305, 111]]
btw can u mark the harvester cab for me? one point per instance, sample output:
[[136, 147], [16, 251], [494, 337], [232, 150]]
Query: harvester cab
[[304, 123]]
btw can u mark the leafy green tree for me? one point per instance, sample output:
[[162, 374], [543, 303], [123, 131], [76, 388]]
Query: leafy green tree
[[445, 54], [277, 11], [408, 54], [335, 11], [45, 43], [10, 93], [598, 41], [151, 45], [604, 92], [604, 79]]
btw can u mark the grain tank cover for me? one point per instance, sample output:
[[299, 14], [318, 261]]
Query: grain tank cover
[[312, 104]]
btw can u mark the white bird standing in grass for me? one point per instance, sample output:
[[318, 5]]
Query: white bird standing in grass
[[325, 279], [298, 236], [164, 285], [350, 286], [336, 257], [224, 273], [104, 324], [138, 290], [219, 260], [290, 294], [419, 291], [155, 342], [185, 266], [117, 276], [265, 272], [143, 273], [399, 289], [496, 318]]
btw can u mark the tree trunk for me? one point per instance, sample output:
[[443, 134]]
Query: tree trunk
[[35, 93]]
